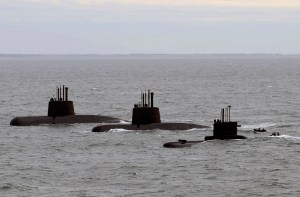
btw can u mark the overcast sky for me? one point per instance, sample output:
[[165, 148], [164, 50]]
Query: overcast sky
[[149, 26]]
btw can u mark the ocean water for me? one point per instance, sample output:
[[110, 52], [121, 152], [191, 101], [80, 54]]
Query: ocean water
[[70, 160]]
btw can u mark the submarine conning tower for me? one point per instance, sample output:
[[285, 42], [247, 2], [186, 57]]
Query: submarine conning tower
[[60, 105], [144, 112], [223, 128]]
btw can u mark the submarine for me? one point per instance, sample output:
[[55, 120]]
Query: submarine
[[223, 129], [61, 111], [146, 117]]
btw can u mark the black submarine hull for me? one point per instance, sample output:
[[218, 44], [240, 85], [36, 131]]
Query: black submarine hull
[[185, 143], [69, 119], [161, 126]]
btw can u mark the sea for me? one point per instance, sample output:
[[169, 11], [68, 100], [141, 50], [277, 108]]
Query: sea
[[69, 160]]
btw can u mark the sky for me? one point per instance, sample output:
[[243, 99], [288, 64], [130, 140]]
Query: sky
[[149, 26]]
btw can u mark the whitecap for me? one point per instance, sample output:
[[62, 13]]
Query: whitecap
[[197, 129], [288, 137], [118, 130], [124, 122]]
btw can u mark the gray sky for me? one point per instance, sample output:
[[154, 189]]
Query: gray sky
[[149, 26]]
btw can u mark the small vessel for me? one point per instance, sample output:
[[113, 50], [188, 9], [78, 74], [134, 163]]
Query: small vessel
[[223, 129], [275, 134], [61, 111], [146, 117], [259, 130]]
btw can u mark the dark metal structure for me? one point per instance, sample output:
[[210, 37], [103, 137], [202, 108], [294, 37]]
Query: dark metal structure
[[61, 111], [146, 117], [145, 113], [60, 105], [223, 128]]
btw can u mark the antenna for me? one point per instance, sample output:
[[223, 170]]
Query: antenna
[[149, 102], [229, 106], [152, 101], [63, 93], [57, 93], [67, 93]]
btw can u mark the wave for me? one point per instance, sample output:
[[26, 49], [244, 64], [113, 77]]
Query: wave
[[118, 130], [187, 120], [81, 131], [255, 126], [288, 137], [201, 129], [288, 125], [124, 122]]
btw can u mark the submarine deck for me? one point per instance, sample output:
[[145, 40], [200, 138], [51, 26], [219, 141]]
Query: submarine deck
[[181, 144], [163, 126], [185, 143], [71, 119]]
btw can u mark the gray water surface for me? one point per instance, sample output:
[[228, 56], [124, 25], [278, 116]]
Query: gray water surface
[[70, 160]]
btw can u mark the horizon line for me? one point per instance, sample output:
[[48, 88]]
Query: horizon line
[[128, 54]]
